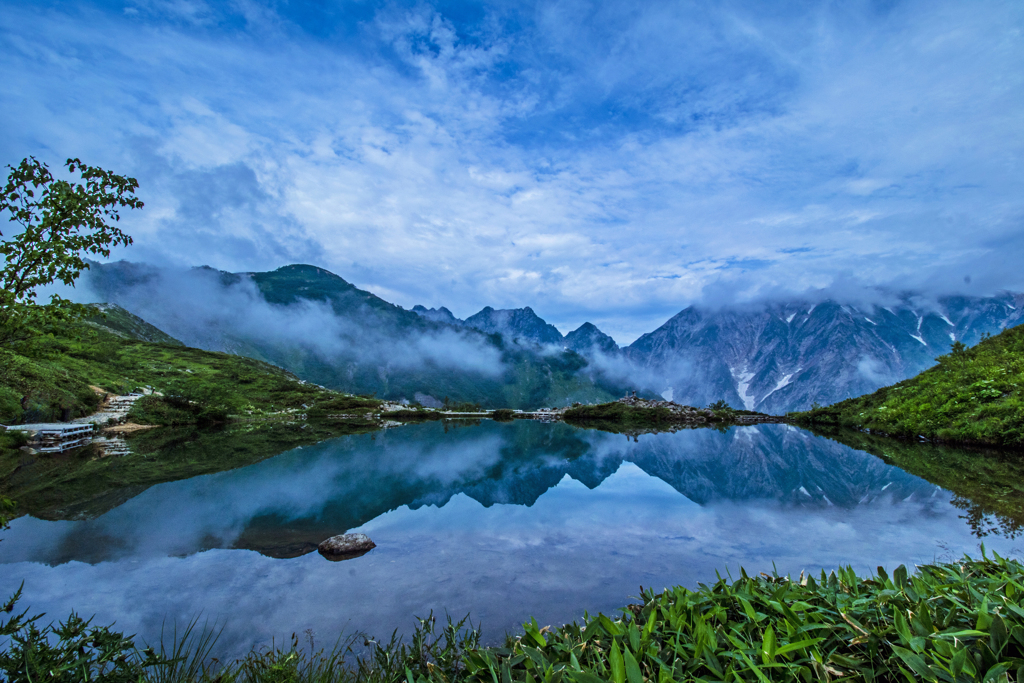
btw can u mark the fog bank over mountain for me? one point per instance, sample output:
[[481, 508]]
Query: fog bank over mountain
[[228, 312], [772, 355], [327, 331]]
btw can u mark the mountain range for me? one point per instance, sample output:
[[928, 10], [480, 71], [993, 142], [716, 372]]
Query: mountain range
[[772, 357]]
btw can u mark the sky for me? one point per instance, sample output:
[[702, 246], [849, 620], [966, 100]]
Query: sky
[[610, 162]]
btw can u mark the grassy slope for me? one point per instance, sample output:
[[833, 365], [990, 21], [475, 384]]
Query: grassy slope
[[56, 373], [969, 397], [774, 628]]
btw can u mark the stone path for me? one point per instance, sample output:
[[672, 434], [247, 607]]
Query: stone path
[[116, 408]]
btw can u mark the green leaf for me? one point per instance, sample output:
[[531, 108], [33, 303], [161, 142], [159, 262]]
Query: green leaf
[[984, 619], [960, 634], [632, 668], [848, 662], [996, 671], [754, 667], [634, 636], [768, 646], [915, 662], [532, 630], [748, 609], [584, 677], [899, 577], [617, 665], [799, 645], [900, 622], [997, 634], [609, 626], [956, 665]]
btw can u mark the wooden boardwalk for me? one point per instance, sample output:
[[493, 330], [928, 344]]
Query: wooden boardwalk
[[55, 437]]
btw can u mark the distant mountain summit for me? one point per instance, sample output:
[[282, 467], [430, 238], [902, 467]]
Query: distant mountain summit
[[438, 315], [515, 324], [587, 340]]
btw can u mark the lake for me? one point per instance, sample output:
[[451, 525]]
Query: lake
[[501, 521]]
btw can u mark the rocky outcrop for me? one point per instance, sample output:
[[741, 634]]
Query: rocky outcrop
[[515, 324], [438, 315], [346, 546]]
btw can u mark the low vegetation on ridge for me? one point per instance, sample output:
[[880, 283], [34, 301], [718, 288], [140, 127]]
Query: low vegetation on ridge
[[973, 395]]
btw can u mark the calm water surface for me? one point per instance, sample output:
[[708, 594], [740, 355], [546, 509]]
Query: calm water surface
[[501, 521]]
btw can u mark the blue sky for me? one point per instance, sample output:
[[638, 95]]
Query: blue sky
[[610, 162]]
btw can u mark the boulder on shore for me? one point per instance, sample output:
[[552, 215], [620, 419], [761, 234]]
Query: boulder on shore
[[346, 546]]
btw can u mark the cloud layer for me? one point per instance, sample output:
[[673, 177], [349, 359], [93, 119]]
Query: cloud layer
[[596, 161]]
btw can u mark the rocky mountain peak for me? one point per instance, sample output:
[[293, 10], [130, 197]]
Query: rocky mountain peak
[[438, 315], [587, 338], [515, 323]]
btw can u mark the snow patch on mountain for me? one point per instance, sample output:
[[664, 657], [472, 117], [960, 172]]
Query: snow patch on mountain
[[785, 381], [742, 386]]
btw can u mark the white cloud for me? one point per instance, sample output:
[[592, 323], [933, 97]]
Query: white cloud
[[594, 161]]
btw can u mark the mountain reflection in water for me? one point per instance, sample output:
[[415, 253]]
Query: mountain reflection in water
[[500, 520]]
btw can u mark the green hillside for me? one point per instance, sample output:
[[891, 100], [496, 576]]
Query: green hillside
[[113, 318], [972, 396], [66, 376]]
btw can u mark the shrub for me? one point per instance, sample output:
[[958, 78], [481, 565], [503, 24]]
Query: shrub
[[74, 650], [10, 406]]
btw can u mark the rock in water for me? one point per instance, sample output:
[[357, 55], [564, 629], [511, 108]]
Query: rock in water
[[346, 546]]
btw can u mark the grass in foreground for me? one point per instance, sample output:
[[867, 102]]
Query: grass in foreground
[[956, 622], [972, 396]]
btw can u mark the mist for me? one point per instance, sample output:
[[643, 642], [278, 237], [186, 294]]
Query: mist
[[202, 308], [746, 292]]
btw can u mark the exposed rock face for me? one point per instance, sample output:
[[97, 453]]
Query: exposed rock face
[[438, 315], [587, 339], [780, 357], [515, 323], [346, 546]]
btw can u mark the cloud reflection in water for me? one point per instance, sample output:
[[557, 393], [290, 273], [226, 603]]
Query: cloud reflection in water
[[501, 521]]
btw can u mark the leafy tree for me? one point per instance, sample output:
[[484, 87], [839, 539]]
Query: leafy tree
[[61, 222]]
